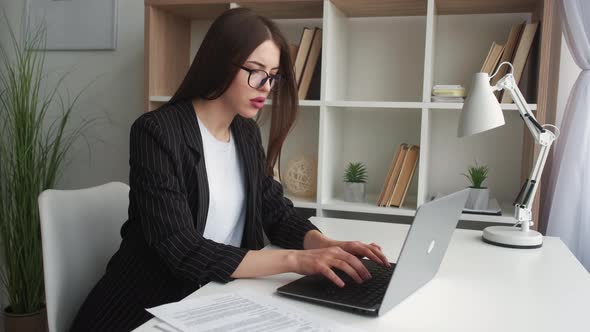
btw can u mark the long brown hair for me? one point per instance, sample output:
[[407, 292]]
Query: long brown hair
[[230, 40]]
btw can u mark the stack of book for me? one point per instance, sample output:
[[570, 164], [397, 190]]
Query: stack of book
[[448, 93], [516, 50], [399, 176], [307, 64]]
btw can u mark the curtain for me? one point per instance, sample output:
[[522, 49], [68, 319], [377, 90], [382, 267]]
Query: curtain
[[569, 186]]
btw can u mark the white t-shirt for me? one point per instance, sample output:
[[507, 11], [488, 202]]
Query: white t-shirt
[[227, 214]]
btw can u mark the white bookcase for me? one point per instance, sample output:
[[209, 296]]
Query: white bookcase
[[379, 63]]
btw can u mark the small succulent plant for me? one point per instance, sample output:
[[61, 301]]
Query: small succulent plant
[[355, 173], [477, 175]]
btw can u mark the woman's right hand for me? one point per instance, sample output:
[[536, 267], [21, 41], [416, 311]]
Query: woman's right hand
[[321, 261]]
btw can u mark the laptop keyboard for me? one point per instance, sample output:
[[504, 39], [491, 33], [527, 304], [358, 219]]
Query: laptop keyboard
[[367, 294]]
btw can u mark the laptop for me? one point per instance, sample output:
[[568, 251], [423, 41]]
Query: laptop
[[419, 260]]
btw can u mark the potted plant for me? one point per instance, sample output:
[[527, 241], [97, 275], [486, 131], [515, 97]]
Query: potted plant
[[479, 195], [34, 138], [355, 181]]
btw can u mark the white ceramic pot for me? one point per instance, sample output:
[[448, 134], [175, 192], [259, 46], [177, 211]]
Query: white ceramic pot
[[354, 191], [478, 198]]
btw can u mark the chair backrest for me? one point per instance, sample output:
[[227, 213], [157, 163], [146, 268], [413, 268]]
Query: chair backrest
[[80, 230]]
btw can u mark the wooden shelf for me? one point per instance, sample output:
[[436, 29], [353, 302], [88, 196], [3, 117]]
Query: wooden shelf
[[458, 106], [311, 103], [375, 104], [338, 204], [160, 99], [192, 10], [302, 202], [507, 216], [302, 103], [355, 8], [199, 10], [453, 7], [278, 9], [286, 9]]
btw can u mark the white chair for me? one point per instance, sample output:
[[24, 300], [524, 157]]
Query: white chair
[[80, 230]]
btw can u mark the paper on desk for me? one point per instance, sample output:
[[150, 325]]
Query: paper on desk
[[239, 312]]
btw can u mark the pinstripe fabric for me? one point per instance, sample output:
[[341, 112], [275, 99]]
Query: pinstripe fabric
[[163, 256]]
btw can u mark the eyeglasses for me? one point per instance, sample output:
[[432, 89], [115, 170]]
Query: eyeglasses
[[257, 78]]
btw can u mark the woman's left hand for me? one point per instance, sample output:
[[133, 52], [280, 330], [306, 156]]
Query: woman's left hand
[[372, 251], [315, 240]]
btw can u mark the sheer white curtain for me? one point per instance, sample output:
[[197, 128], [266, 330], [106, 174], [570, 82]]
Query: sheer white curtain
[[569, 188]]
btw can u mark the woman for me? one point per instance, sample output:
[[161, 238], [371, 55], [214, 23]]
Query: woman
[[202, 191]]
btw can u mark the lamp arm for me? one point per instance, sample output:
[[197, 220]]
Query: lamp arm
[[543, 137], [508, 83]]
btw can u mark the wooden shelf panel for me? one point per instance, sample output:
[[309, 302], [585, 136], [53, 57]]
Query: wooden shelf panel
[[507, 216], [375, 104], [302, 103], [198, 9], [355, 8], [192, 10], [375, 8], [338, 204], [302, 202], [459, 106], [286, 9], [451, 7], [166, 51]]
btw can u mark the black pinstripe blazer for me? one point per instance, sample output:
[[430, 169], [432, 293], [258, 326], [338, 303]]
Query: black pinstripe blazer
[[164, 256]]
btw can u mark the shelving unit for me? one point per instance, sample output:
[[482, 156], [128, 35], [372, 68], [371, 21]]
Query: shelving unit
[[379, 62], [372, 104]]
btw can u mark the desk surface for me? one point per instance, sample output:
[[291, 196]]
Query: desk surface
[[479, 287]]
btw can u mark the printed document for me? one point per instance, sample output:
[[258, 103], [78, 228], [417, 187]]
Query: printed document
[[238, 312]]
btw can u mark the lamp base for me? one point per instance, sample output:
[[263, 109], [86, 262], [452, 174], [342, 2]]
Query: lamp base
[[512, 237]]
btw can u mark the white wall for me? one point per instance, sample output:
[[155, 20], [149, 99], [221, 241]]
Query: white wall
[[114, 93], [115, 97]]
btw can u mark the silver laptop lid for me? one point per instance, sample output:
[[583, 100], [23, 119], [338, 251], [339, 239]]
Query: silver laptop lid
[[424, 248]]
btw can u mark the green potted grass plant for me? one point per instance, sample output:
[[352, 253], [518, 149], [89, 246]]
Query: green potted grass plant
[[478, 194], [355, 181], [34, 138]]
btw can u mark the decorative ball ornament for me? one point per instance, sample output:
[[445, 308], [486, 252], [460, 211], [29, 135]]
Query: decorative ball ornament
[[301, 176]]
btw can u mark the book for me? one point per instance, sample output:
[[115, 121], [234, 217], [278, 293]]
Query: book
[[302, 52], [492, 59], [405, 177], [381, 199], [443, 99], [316, 81], [399, 160], [447, 86], [293, 51], [521, 55], [449, 92], [508, 54], [310, 63]]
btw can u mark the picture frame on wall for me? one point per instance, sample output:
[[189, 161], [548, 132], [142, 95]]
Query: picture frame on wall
[[76, 24]]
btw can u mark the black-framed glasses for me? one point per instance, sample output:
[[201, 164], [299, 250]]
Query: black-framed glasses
[[257, 78]]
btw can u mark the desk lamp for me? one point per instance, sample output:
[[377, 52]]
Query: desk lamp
[[482, 112]]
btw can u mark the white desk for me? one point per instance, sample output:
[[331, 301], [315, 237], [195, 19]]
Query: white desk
[[479, 287]]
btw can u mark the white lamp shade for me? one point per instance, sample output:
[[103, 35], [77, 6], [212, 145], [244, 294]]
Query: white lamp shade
[[481, 110]]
